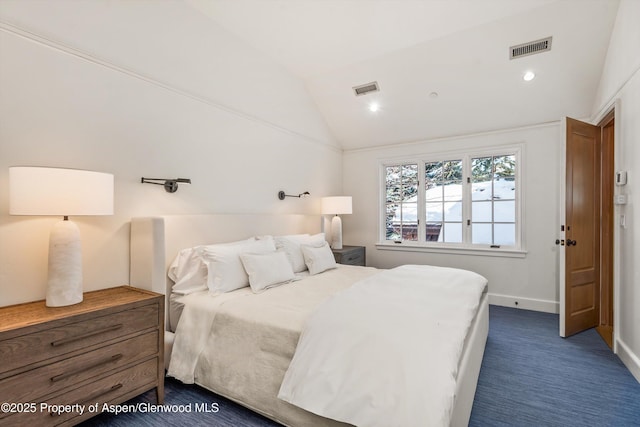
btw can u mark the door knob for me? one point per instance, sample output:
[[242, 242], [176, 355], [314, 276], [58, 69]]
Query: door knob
[[571, 242]]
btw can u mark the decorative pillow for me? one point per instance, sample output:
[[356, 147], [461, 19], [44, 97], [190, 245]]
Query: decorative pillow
[[225, 270], [267, 270], [318, 258], [188, 272], [291, 246]]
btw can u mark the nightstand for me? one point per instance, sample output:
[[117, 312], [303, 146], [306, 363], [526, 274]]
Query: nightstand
[[350, 255], [106, 349]]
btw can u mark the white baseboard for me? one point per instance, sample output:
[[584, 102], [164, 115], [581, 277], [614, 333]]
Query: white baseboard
[[545, 306], [630, 360]]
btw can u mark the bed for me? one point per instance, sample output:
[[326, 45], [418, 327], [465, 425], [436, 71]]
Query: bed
[[262, 334]]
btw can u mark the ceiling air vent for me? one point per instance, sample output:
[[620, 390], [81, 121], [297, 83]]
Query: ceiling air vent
[[530, 48], [366, 88]]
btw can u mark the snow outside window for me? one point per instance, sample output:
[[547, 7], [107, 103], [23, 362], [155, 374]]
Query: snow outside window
[[454, 201]]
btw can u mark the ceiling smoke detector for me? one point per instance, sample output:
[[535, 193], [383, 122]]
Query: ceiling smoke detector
[[366, 88], [531, 48]]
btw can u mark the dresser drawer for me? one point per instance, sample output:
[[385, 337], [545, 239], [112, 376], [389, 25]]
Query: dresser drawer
[[111, 389], [350, 255], [49, 379], [353, 258], [27, 349]]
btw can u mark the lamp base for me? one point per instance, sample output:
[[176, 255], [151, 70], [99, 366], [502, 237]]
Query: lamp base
[[336, 232], [65, 265]]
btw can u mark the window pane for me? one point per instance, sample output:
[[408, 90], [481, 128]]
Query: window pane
[[433, 173], [481, 190], [409, 183], [394, 194], [410, 232], [392, 226], [481, 169], [504, 211], [452, 171], [481, 234], [504, 189], [433, 231], [434, 212], [452, 211], [504, 166], [409, 212], [481, 212], [453, 232], [393, 232], [434, 194], [410, 221], [505, 234], [453, 191], [393, 174]]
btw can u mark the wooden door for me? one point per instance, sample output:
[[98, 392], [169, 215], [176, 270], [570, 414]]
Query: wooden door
[[582, 228]]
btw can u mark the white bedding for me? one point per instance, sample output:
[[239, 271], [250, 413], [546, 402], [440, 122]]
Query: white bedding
[[385, 352], [257, 333]]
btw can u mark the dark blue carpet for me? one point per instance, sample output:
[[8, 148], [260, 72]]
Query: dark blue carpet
[[530, 377]]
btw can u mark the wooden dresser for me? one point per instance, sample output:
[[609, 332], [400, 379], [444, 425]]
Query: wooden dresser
[[107, 349]]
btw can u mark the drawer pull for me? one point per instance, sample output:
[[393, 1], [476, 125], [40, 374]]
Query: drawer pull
[[92, 399], [87, 335], [99, 394], [86, 368]]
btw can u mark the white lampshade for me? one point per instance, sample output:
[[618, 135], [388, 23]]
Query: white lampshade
[[61, 192], [336, 205]]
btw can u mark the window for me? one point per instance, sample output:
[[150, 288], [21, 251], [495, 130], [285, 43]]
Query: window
[[493, 200], [443, 198], [455, 200], [401, 202]]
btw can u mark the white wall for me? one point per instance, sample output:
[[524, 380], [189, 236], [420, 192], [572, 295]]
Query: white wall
[[90, 86], [621, 82], [532, 281]]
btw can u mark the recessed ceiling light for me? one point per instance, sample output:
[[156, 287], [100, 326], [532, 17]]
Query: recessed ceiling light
[[528, 76], [374, 106]]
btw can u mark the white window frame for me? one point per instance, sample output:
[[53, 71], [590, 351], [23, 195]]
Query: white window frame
[[466, 247]]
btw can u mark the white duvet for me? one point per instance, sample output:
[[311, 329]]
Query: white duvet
[[385, 351]]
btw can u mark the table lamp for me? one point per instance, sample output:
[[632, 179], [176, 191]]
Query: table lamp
[[336, 206], [61, 192]]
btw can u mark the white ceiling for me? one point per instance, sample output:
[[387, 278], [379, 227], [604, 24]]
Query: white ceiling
[[458, 49], [455, 48]]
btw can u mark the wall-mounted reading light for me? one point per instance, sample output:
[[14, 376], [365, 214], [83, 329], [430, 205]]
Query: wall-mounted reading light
[[170, 185], [281, 195]]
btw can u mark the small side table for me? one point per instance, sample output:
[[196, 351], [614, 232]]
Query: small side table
[[350, 255]]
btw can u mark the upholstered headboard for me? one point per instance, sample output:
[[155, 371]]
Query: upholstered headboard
[[155, 241]]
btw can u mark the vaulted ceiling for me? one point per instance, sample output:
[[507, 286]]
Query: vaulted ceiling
[[443, 67]]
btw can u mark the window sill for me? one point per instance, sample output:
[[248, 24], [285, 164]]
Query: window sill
[[457, 250]]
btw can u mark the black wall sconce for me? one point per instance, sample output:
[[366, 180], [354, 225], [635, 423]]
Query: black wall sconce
[[281, 195], [170, 185]]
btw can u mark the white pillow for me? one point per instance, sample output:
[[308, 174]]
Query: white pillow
[[188, 272], [291, 246], [267, 270], [225, 270], [318, 258]]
